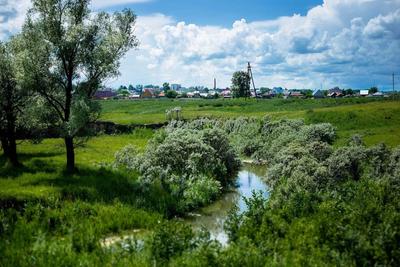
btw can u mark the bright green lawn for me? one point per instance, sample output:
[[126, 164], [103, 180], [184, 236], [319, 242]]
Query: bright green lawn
[[43, 172], [376, 119]]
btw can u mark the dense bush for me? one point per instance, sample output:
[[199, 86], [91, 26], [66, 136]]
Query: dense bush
[[191, 165], [327, 207]]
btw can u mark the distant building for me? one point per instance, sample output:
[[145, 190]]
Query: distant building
[[227, 93], [176, 87], [277, 90], [335, 92], [364, 92], [147, 93], [134, 96], [318, 93], [105, 94], [296, 94], [286, 93], [378, 94]]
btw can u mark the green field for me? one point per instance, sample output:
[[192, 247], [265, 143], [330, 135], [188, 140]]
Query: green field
[[76, 211], [376, 120]]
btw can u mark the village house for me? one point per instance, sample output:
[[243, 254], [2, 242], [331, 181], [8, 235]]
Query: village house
[[335, 92], [277, 90], [378, 94], [147, 93], [134, 96], [318, 93], [364, 93], [296, 94], [227, 93], [105, 94]]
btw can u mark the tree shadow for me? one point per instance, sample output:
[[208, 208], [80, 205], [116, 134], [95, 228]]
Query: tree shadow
[[31, 163]]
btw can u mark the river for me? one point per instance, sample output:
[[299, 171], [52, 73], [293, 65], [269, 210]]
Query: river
[[213, 217]]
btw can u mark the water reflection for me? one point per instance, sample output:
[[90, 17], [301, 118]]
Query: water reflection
[[214, 216]]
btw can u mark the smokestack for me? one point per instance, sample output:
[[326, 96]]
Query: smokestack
[[215, 84]]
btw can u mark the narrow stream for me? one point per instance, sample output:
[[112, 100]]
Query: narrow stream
[[213, 217]]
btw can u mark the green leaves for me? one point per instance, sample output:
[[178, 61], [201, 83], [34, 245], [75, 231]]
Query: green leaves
[[241, 84], [193, 166]]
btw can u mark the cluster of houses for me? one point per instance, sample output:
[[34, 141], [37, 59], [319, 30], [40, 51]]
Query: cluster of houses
[[157, 92], [202, 92]]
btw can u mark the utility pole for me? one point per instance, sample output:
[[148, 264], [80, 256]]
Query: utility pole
[[393, 83], [250, 73]]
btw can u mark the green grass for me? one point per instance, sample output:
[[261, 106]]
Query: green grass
[[377, 120], [43, 172]]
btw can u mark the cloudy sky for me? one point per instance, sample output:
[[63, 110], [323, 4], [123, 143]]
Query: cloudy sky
[[291, 43]]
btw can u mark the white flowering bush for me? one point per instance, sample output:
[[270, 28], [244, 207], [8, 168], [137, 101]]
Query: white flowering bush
[[191, 165]]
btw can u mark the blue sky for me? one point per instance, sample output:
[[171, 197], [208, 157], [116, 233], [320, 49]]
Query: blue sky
[[290, 43], [221, 12]]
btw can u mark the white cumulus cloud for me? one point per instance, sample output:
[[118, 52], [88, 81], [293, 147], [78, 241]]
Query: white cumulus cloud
[[350, 43]]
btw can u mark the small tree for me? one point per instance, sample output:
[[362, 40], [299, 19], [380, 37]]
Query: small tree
[[241, 84], [349, 92], [171, 94], [166, 87], [69, 53], [373, 90]]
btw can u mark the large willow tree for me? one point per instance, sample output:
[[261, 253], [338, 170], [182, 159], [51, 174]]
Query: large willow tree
[[12, 99], [69, 53]]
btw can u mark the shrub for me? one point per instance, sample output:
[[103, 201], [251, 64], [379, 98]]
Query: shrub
[[170, 239], [181, 159]]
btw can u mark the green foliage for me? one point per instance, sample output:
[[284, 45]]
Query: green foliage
[[171, 239], [166, 88], [349, 92], [327, 207], [171, 94], [373, 90], [67, 53], [190, 165], [65, 233], [241, 84]]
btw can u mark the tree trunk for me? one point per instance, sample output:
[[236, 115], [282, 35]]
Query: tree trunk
[[69, 145], [4, 144], [9, 141], [12, 151], [69, 140]]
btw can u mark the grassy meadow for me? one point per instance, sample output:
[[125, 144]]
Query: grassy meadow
[[43, 172], [377, 120]]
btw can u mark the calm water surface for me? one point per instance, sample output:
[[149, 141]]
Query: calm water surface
[[213, 217]]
